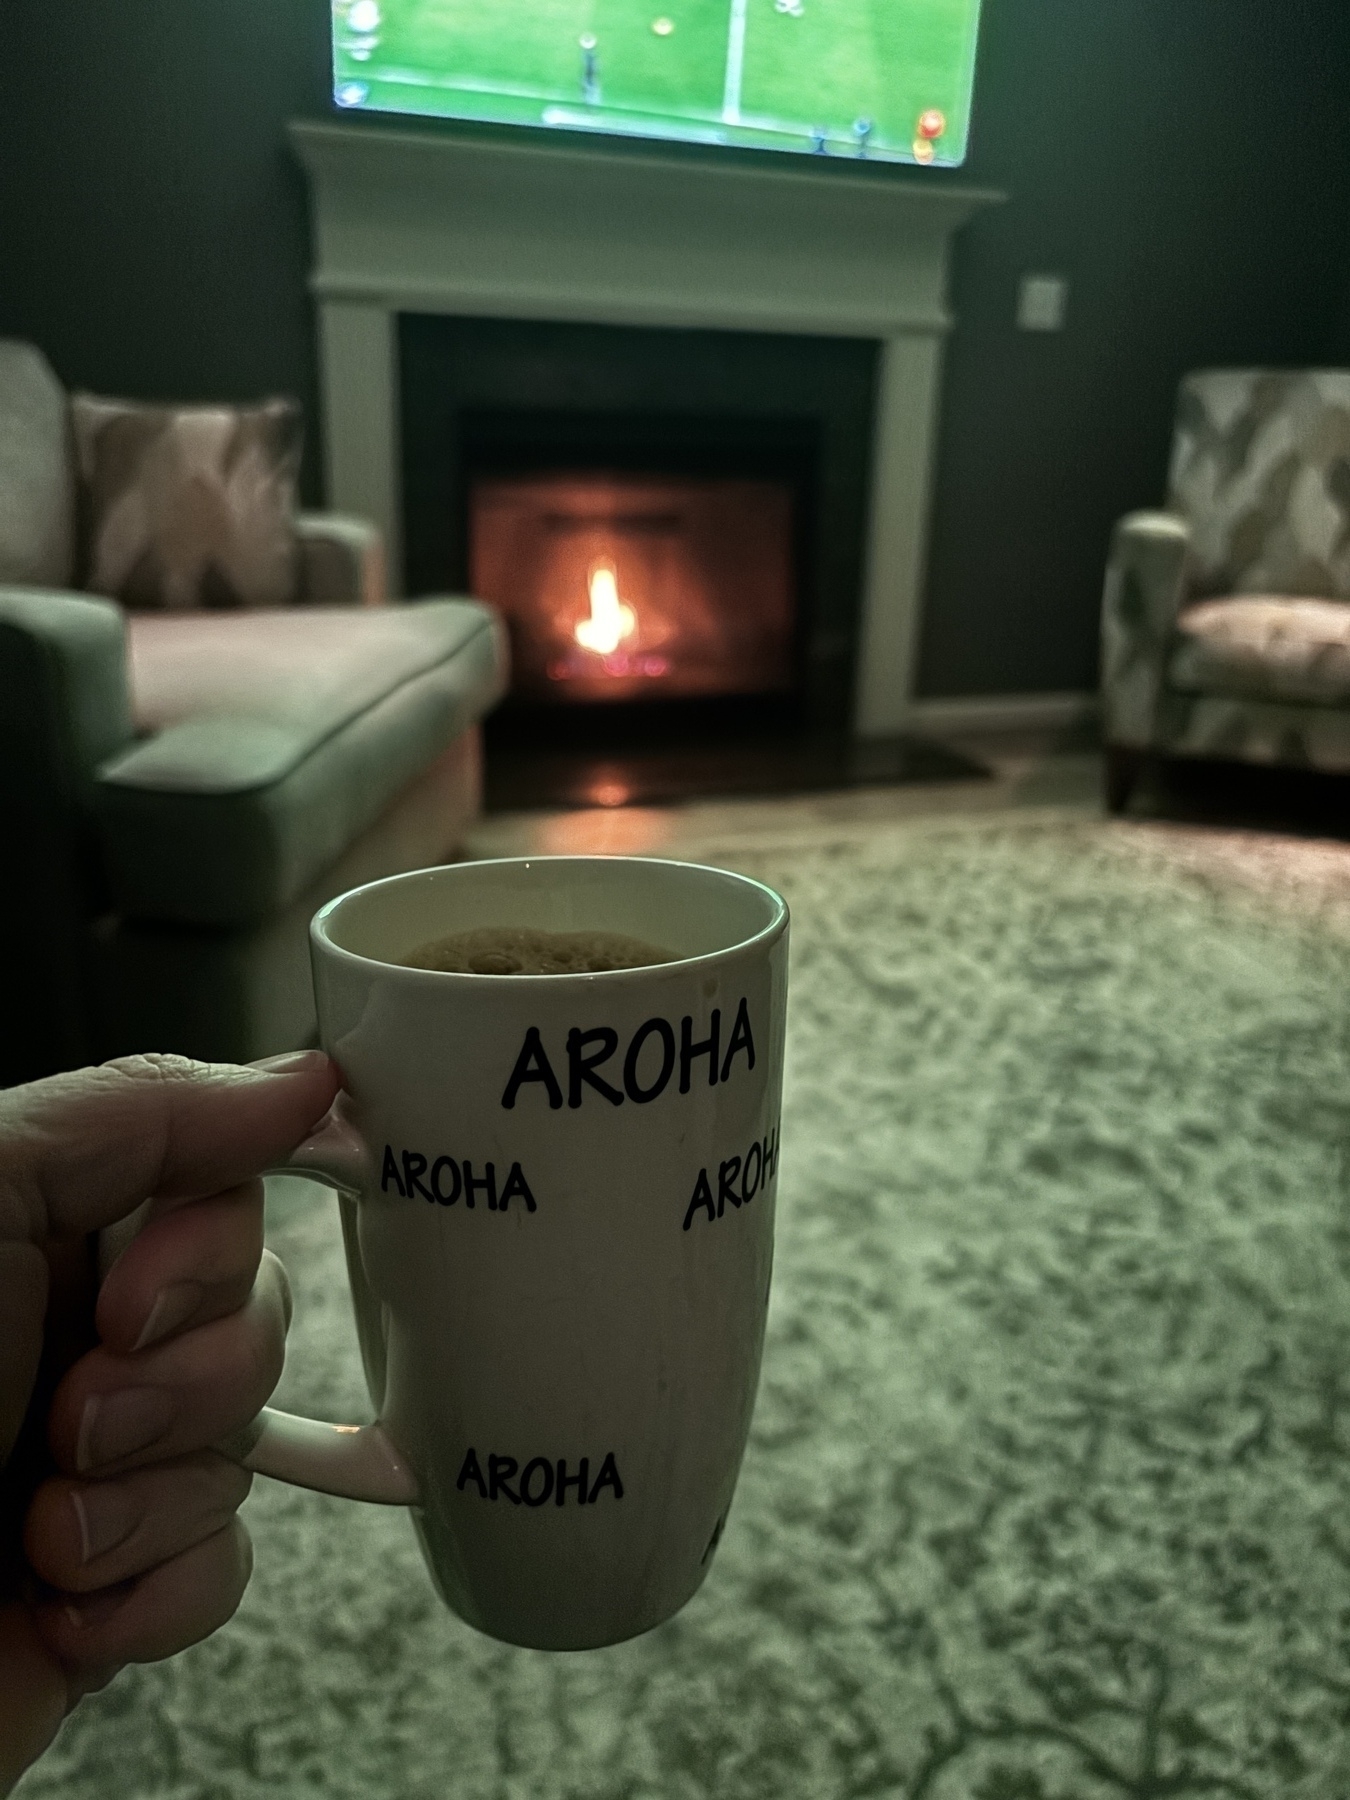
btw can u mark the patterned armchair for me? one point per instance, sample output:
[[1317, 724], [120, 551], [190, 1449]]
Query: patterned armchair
[[1226, 618]]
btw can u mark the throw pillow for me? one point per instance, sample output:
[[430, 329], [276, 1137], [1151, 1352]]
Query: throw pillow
[[188, 506]]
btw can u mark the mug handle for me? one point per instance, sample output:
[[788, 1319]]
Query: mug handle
[[355, 1462]]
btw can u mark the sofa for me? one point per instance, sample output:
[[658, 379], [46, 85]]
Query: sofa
[[1226, 617], [179, 791]]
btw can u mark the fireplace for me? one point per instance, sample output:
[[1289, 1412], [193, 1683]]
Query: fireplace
[[413, 222], [619, 588]]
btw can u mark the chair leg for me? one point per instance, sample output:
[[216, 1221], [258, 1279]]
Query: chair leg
[[1123, 766]]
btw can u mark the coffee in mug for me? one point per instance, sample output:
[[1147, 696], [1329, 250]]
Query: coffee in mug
[[525, 950], [557, 1197]]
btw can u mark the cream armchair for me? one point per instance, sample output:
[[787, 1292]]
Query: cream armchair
[[1226, 617]]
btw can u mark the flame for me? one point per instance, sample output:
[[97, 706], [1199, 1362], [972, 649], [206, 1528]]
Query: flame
[[610, 621], [609, 793]]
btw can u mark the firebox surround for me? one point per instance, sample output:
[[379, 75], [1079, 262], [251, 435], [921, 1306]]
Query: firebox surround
[[497, 398], [439, 222]]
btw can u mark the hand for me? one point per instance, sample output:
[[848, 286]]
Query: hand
[[118, 1536]]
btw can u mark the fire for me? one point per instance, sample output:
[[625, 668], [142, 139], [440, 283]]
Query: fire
[[610, 621]]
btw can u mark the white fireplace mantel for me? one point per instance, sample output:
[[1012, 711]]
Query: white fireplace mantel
[[420, 221]]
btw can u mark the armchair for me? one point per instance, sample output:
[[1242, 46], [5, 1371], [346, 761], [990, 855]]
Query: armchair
[[180, 790], [1226, 617]]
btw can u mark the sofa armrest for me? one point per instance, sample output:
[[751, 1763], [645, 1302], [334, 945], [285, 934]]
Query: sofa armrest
[[64, 707], [64, 699], [1145, 582], [341, 561], [223, 818]]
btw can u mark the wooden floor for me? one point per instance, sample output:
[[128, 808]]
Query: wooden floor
[[1024, 772]]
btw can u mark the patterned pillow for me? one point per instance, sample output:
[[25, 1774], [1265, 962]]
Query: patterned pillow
[[188, 506]]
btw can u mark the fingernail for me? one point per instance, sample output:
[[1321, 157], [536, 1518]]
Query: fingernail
[[107, 1517], [174, 1306], [117, 1425], [294, 1062], [98, 1607]]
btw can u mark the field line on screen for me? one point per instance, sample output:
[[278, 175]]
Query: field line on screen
[[731, 94]]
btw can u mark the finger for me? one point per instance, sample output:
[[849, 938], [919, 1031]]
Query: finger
[[175, 1605], [187, 1266], [23, 1282], [54, 1344], [81, 1536], [120, 1412], [81, 1150]]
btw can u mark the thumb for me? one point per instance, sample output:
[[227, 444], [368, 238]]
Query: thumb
[[80, 1151]]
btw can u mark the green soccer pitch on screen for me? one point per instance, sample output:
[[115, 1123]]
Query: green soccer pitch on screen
[[888, 80]]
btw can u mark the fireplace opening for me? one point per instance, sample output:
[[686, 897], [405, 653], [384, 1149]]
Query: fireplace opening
[[685, 538], [620, 587]]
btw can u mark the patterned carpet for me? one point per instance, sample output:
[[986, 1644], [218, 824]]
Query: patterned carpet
[[1048, 1494]]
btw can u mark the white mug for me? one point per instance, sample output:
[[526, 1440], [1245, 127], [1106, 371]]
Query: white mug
[[557, 1196]]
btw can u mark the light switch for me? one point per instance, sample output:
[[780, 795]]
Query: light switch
[[1042, 303]]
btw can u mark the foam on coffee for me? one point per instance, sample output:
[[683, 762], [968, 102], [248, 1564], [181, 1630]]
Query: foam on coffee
[[523, 950]]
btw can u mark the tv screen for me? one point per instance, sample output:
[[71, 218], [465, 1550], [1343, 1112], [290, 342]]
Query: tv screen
[[888, 80]]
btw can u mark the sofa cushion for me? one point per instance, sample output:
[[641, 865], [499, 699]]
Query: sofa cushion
[[1264, 647], [189, 506], [278, 737], [312, 667], [36, 475]]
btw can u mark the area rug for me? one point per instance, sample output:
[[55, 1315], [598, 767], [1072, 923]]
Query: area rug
[[1048, 1496]]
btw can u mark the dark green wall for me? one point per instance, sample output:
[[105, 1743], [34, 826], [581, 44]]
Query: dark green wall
[[152, 221], [1183, 161]]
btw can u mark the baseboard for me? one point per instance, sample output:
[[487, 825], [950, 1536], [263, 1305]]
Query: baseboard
[[1002, 712]]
